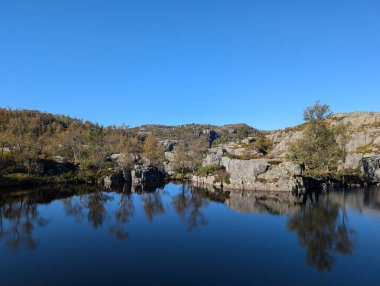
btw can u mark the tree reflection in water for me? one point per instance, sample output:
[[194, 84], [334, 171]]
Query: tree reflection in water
[[188, 204], [321, 224], [94, 205], [96, 210], [322, 228], [18, 219], [122, 216], [153, 205]]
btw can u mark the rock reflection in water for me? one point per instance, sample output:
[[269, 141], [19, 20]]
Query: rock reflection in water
[[320, 220], [263, 202]]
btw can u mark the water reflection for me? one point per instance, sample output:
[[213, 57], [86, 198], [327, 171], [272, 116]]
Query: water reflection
[[322, 228], [188, 203], [122, 216], [321, 223], [18, 219]]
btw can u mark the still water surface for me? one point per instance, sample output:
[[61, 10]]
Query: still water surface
[[181, 235]]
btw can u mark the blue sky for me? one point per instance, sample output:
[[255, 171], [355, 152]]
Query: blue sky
[[189, 61]]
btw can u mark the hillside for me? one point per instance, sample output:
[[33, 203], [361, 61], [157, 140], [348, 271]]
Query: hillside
[[32, 141], [42, 144]]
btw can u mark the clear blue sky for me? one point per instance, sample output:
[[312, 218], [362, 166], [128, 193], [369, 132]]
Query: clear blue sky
[[189, 61]]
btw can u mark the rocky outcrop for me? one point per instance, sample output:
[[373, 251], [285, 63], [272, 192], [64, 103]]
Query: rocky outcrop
[[281, 140], [116, 179], [124, 159], [271, 172], [363, 129], [146, 174], [139, 175], [363, 141], [261, 174], [168, 145], [54, 166], [371, 168], [205, 182], [256, 174], [168, 165], [214, 157]]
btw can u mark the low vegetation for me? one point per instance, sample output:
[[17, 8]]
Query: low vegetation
[[369, 148], [210, 170], [243, 156]]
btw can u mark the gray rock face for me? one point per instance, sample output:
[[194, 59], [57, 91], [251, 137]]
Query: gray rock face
[[205, 182], [212, 135], [371, 168], [257, 174], [168, 165], [281, 140], [244, 172], [124, 159], [353, 160], [261, 174], [215, 154], [114, 179], [146, 174], [214, 157], [54, 167], [248, 140], [168, 145]]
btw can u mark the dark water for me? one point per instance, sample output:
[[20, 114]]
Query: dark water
[[180, 235]]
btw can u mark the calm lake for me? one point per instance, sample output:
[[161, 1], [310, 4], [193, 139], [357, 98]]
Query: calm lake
[[181, 235]]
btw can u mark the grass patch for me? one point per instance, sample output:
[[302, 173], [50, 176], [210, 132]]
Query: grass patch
[[300, 127], [243, 156], [369, 126], [210, 170], [274, 162], [369, 148]]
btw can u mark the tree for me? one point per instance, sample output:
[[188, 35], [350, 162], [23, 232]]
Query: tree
[[96, 149], [318, 148], [198, 149], [153, 151], [316, 113], [188, 156], [73, 142], [182, 158]]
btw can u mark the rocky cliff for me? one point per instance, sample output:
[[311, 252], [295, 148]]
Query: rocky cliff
[[363, 130], [250, 169]]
